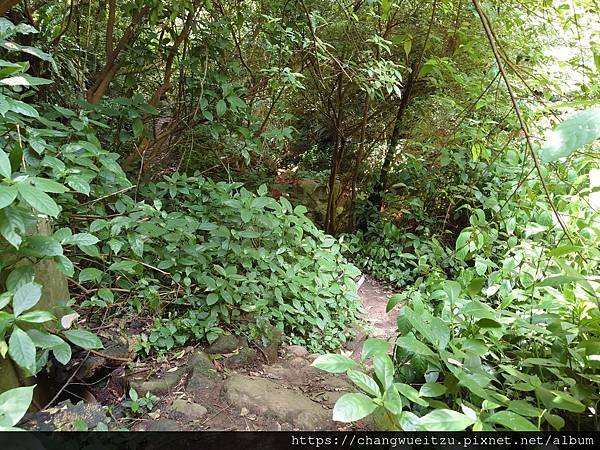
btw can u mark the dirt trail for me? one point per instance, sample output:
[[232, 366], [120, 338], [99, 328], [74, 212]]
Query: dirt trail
[[375, 296]]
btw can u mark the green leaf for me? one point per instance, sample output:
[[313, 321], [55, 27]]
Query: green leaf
[[432, 390], [44, 340], [364, 382], [62, 353], [352, 407], [581, 128], [36, 317], [7, 195], [221, 107], [14, 403], [123, 266], [24, 80], [22, 350], [393, 301], [38, 199], [82, 239], [334, 363], [373, 347], [411, 344], [5, 168], [411, 393], [384, 370], [445, 420], [512, 421], [452, 289], [47, 185], [83, 339], [90, 274], [392, 401], [26, 297], [78, 184]]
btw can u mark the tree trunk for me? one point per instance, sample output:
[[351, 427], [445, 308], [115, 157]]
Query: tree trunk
[[5, 5], [111, 67], [376, 197]]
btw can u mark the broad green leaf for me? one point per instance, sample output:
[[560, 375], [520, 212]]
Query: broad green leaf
[[82, 239], [364, 382], [90, 274], [445, 420], [432, 390], [411, 344], [7, 195], [36, 317], [14, 403], [26, 297], [5, 168], [512, 421], [384, 370], [581, 128], [62, 353], [47, 185], [44, 340], [83, 339], [334, 363], [452, 289], [411, 393], [124, 266], [38, 199], [373, 347], [221, 107], [22, 350], [393, 301], [352, 407], [392, 401], [24, 80]]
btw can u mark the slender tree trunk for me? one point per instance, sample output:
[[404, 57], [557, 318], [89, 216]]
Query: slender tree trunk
[[110, 25], [336, 159], [111, 67], [360, 154], [376, 196], [5, 5]]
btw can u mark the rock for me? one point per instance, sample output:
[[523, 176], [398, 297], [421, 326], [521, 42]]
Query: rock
[[296, 350], [191, 410], [244, 357], [163, 425], [268, 398], [63, 416], [204, 375], [201, 364], [298, 362], [272, 348], [226, 343], [158, 385]]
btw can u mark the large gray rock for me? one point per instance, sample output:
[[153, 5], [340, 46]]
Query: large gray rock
[[269, 398], [163, 425], [188, 409], [244, 357], [226, 343], [158, 385], [204, 376]]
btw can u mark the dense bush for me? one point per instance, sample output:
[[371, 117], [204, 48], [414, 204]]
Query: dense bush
[[230, 259]]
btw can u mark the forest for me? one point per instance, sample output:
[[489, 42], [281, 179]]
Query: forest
[[300, 215]]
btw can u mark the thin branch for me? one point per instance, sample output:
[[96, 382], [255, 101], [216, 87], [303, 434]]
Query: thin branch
[[490, 36]]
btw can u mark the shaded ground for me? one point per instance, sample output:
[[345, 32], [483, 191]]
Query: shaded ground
[[232, 385]]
